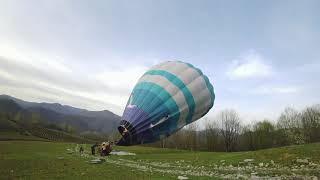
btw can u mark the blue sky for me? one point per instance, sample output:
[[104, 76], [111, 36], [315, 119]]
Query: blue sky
[[261, 56]]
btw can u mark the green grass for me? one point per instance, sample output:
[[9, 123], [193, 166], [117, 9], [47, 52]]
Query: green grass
[[18, 136], [12, 130], [283, 155], [55, 135], [39, 160]]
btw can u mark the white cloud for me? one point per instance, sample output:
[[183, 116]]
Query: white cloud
[[266, 90], [309, 67], [124, 78], [38, 77], [251, 65], [37, 60]]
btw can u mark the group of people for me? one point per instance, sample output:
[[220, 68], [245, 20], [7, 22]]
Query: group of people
[[103, 149]]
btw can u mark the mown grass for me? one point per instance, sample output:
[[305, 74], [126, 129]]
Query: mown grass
[[39, 160]]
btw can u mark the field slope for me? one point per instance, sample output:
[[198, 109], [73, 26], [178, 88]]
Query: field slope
[[52, 160]]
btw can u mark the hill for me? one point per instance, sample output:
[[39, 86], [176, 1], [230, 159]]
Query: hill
[[65, 117], [43, 160], [11, 129]]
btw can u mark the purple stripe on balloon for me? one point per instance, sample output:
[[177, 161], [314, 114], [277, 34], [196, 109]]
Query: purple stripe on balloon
[[137, 117]]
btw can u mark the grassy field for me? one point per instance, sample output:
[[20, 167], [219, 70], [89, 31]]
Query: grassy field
[[50, 160], [12, 130]]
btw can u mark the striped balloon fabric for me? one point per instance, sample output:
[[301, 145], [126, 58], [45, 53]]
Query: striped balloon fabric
[[167, 97]]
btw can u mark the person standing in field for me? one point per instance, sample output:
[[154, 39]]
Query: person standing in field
[[81, 150], [93, 148]]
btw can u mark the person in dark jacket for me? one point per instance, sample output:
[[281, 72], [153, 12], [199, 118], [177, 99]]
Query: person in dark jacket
[[93, 148], [81, 150]]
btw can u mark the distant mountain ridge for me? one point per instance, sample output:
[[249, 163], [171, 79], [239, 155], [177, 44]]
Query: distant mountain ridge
[[64, 109], [53, 113]]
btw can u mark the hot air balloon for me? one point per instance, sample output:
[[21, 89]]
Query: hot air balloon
[[166, 98]]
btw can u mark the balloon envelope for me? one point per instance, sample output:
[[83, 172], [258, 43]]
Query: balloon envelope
[[166, 98]]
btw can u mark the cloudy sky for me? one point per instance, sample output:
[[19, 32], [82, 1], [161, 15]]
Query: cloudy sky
[[261, 56]]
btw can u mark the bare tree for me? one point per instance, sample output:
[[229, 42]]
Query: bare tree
[[291, 124], [311, 123], [192, 136], [211, 134], [248, 138], [229, 128], [263, 134], [177, 140]]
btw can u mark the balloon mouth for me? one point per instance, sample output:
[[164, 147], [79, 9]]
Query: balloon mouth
[[127, 132], [121, 129]]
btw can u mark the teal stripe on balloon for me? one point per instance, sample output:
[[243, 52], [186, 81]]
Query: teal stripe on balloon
[[179, 83], [150, 90], [149, 102], [206, 79]]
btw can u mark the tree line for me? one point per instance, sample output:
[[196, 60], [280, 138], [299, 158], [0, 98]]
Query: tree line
[[227, 132]]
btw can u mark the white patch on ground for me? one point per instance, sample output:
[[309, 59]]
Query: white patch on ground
[[96, 161], [248, 160], [60, 157], [182, 177], [122, 153]]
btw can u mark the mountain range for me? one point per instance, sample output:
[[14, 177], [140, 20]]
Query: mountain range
[[79, 120]]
